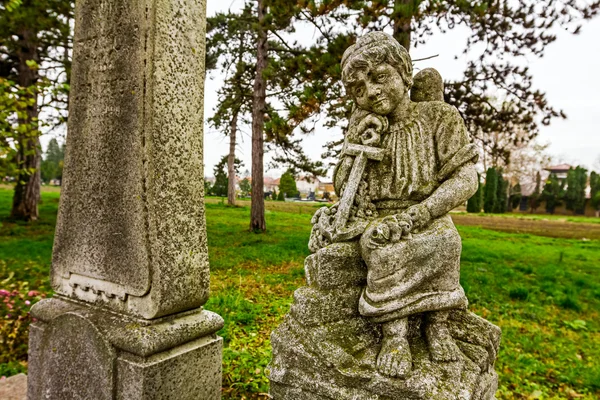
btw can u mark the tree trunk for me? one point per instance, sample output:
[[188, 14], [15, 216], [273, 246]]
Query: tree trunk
[[27, 189], [508, 206], [257, 214], [231, 160], [402, 21]]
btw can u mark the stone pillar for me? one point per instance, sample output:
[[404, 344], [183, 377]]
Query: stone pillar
[[130, 262]]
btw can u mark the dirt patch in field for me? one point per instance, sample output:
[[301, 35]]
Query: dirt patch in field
[[557, 229], [295, 207]]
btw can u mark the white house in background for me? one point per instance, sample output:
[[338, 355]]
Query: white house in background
[[561, 171], [271, 184], [326, 186], [319, 186], [306, 185]]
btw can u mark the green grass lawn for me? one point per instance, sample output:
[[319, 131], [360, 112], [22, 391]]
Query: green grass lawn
[[543, 292]]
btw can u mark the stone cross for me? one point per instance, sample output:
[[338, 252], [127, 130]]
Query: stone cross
[[130, 263], [362, 154]]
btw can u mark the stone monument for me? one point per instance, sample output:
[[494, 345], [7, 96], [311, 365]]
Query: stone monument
[[383, 315], [130, 265]]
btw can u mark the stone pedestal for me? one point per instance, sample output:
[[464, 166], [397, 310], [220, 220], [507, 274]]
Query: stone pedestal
[[130, 261], [14, 388], [325, 350], [83, 352]]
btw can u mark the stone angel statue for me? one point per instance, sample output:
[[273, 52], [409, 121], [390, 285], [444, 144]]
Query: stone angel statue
[[406, 162]]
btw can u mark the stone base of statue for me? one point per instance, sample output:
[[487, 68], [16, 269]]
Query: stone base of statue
[[78, 351], [325, 350]]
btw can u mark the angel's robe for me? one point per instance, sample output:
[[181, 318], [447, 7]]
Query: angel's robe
[[420, 274]]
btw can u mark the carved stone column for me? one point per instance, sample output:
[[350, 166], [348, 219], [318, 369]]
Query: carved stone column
[[130, 263]]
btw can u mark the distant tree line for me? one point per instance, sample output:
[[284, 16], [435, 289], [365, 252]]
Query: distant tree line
[[220, 187], [497, 196]]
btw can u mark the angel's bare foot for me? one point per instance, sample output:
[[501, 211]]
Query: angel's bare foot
[[441, 344], [394, 359]]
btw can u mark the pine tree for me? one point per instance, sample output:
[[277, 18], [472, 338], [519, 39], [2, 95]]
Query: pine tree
[[230, 40], [596, 203], [52, 164], [221, 186], [575, 193], [259, 108], [252, 47], [552, 193], [287, 184], [474, 203], [490, 190], [515, 196], [245, 186], [274, 18], [534, 199], [501, 194], [595, 190]]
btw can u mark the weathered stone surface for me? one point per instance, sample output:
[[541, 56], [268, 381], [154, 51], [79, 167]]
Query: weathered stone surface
[[428, 85], [280, 391], [384, 316], [72, 353], [189, 372], [130, 230], [14, 388], [336, 266], [73, 345], [314, 306], [322, 363]]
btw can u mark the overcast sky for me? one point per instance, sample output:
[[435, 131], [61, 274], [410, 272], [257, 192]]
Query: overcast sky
[[569, 73]]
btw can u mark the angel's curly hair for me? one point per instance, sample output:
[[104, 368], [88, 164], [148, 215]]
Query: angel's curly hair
[[373, 49]]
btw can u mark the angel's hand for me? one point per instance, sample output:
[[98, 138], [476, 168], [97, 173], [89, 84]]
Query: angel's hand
[[419, 215], [391, 229], [369, 130]]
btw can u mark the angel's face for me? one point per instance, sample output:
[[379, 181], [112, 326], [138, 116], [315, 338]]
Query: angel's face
[[378, 89]]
